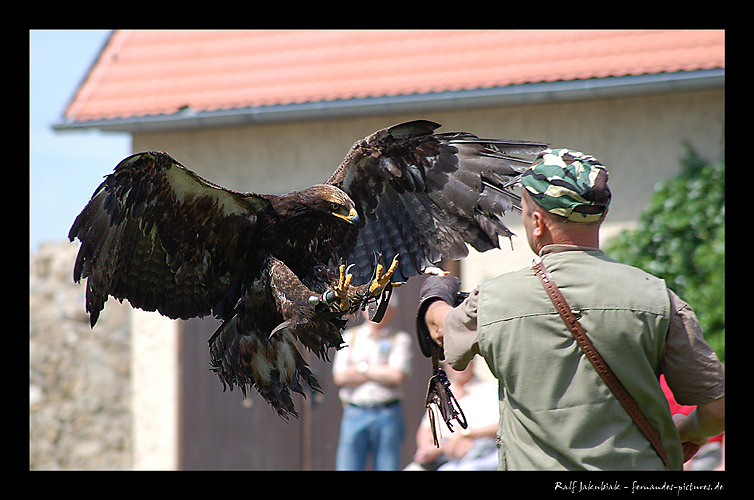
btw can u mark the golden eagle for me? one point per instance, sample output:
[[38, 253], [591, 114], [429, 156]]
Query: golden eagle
[[272, 267]]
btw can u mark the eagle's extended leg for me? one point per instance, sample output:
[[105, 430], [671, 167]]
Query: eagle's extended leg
[[348, 298], [341, 290], [318, 330], [380, 289], [340, 296], [380, 281]]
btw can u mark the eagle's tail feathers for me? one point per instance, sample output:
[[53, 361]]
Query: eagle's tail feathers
[[270, 364]]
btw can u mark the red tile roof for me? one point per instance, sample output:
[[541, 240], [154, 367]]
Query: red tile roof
[[141, 73]]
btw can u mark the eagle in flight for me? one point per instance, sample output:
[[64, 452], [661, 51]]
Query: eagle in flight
[[282, 269]]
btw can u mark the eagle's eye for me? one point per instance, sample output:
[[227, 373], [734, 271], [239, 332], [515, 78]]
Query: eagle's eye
[[342, 212]]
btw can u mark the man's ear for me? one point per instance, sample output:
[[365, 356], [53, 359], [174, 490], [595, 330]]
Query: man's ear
[[539, 223]]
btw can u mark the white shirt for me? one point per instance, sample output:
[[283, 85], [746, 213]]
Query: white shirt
[[387, 347]]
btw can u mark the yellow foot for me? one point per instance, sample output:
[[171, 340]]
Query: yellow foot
[[341, 291], [380, 280]]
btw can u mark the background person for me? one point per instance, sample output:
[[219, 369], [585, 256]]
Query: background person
[[473, 448], [371, 372]]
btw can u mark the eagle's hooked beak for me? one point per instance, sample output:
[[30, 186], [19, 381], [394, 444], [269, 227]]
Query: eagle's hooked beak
[[352, 217]]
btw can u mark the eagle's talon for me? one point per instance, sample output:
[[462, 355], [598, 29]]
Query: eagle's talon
[[341, 290], [380, 280]]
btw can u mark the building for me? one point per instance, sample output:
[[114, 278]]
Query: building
[[271, 111]]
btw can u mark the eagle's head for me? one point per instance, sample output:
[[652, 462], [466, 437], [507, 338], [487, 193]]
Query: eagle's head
[[333, 201]]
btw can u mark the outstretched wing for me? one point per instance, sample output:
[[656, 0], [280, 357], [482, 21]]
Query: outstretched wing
[[426, 196], [162, 237]]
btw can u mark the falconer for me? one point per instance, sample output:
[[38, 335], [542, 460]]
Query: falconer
[[556, 413]]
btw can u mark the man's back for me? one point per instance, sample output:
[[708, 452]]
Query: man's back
[[555, 410]]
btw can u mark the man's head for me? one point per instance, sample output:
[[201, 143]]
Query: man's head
[[565, 198]]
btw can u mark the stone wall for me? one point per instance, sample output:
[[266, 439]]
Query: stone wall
[[79, 378]]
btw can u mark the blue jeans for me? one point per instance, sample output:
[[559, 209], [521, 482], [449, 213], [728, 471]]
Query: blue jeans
[[370, 431]]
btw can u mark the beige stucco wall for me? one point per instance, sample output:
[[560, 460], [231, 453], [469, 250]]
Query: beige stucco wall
[[154, 389], [639, 138]]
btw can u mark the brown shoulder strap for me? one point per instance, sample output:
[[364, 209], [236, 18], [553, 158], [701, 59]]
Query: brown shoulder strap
[[599, 363]]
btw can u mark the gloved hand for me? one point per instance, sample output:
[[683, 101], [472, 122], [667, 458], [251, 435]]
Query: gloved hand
[[445, 288]]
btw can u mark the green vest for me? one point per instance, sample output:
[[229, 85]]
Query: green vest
[[555, 411]]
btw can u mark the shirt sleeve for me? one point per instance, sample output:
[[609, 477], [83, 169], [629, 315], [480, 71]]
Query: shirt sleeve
[[459, 332], [341, 360], [692, 370]]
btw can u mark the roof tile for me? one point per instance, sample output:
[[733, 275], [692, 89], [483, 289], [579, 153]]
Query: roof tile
[[149, 72]]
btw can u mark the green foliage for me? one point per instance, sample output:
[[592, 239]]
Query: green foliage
[[681, 238]]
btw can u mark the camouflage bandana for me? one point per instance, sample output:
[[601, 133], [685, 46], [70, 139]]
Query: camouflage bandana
[[569, 184]]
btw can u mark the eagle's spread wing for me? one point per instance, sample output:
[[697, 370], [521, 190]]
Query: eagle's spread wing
[[425, 196], [160, 236]]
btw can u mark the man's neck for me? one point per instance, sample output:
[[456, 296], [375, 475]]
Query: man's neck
[[572, 234]]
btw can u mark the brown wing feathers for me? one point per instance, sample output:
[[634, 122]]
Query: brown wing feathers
[[426, 196], [149, 233]]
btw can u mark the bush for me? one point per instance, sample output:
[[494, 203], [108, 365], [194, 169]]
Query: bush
[[681, 238]]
